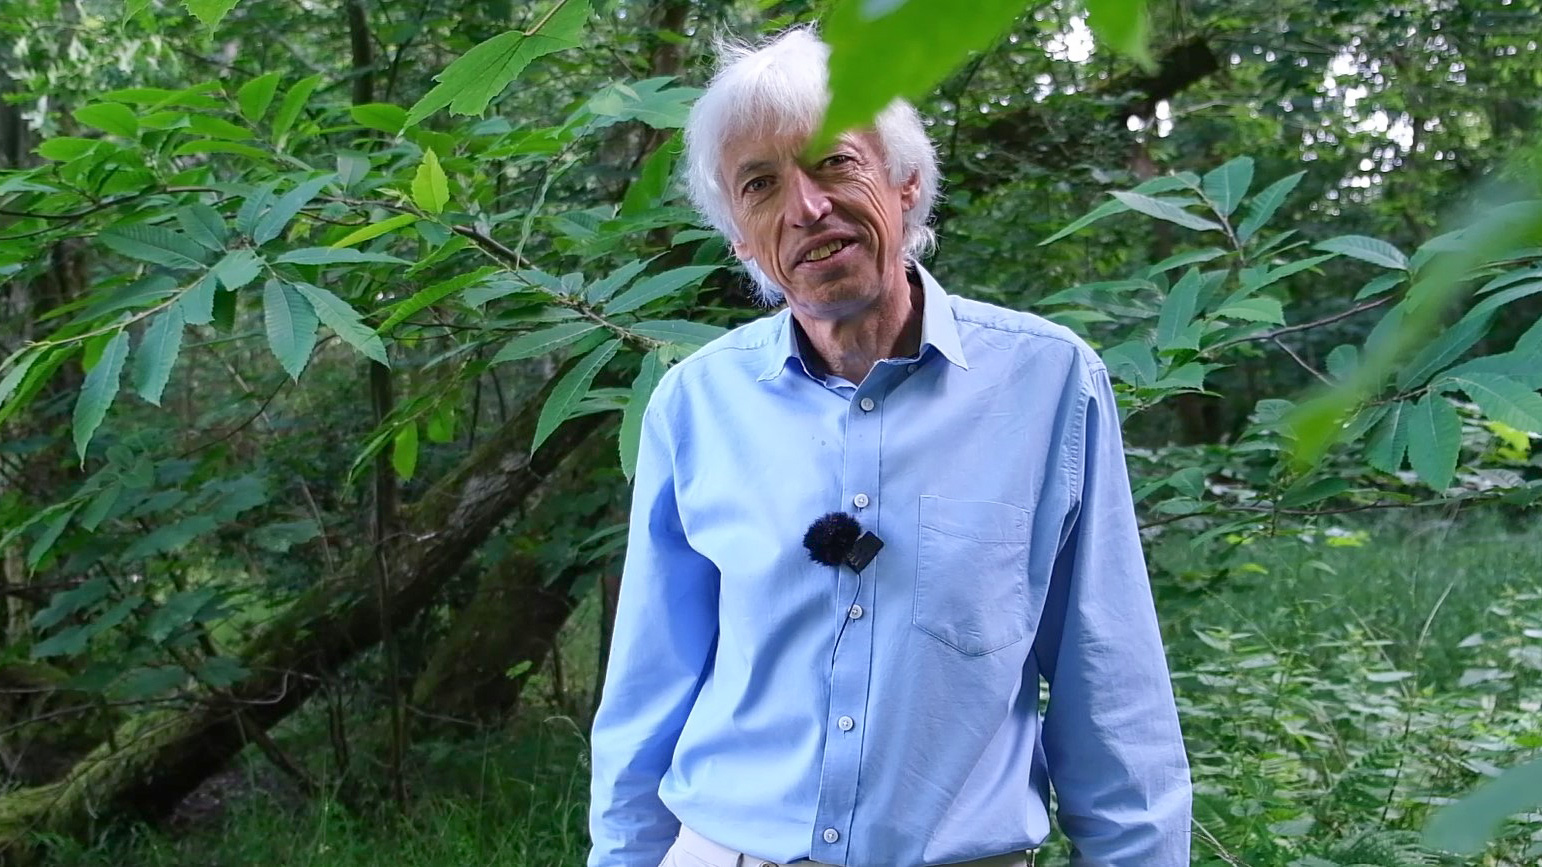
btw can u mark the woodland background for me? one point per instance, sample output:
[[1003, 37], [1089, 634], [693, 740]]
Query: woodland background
[[325, 327]]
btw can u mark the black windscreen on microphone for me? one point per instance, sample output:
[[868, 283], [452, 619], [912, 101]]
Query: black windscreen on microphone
[[837, 538]]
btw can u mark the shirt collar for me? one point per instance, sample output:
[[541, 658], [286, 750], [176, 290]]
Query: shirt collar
[[939, 330]]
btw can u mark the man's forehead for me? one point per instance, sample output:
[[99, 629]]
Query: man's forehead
[[749, 150]]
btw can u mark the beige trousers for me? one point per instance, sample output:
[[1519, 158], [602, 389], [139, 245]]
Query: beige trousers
[[693, 850]]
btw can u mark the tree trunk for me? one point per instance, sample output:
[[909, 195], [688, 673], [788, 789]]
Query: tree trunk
[[160, 757]]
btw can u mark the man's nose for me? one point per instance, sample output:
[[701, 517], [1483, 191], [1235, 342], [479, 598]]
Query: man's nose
[[806, 202]]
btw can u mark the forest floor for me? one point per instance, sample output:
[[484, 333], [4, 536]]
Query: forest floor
[[1331, 692]]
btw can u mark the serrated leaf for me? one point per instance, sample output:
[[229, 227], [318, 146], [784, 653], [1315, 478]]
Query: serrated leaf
[[256, 96], [52, 530], [570, 390], [147, 682], [1165, 209], [1305, 493], [1177, 312], [543, 341], [344, 321], [210, 12], [681, 331], [431, 295], [204, 225], [157, 353], [68, 602], [221, 672], [1179, 260], [1444, 349], [197, 303], [1254, 310], [1373, 250], [1107, 209], [1378, 285], [404, 451], [65, 642], [253, 206], [238, 268], [602, 289], [65, 149], [474, 79], [154, 244], [1226, 185], [110, 117], [658, 286], [1132, 362], [647, 380], [294, 101], [905, 42], [430, 187], [21, 363], [381, 116], [1502, 399], [290, 324], [101, 504], [1434, 440], [1343, 361], [272, 224], [375, 230], [98, 392], [334, 256], [1263, 205], [1500, 299], [280, 537]]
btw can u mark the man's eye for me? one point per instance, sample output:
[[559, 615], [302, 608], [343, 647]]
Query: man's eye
[[837, 159], [757, 185]]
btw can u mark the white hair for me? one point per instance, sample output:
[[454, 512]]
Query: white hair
[[779, 87]]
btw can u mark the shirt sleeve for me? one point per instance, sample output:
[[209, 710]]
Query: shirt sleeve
[[1111, 737], [661, 648]]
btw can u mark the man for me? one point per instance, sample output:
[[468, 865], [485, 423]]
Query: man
[[762, 708]]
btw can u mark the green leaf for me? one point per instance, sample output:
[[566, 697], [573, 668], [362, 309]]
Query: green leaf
[[1132, 362], [1500, 299], [1372, 250], [906, 42], [272, 224], [430, 187], [681, 331], [1502, 399], [1254, 310], [1107, 209], [293, 102], [110, 117], [20, 363], [1121, 24], [1305, 493], [209, 146], [197, 303], [440, 427], [154, 244], [647, 380], [602, 289], [65, 148], [1177, 312], [1446, 348], [381, 116], [157, 353], [1263, 205], [431, 295], [253, 207], [51, 533], [280, 537], [215, 127], [1275, 275], [97, 394], [1378, 285], [1434, 440], [1225, 186], [170, 537], [68, 602], [100, 506], [256, 95], [238, 268], [204, 225], [473, 80], [375, 230], [333, 256], [221, 672], [543, 341], [147, 682], [291, 326], [1179, 260], [570, 390], [345, 321], [404, 451], [658, 286], [1466, 826], [1165, 209], [210, 12], [652, 180]]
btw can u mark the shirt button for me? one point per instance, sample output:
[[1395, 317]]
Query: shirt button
[[846, 723], [910, 368], [867, 404], [860, 501], [855, 612], [831, 835]]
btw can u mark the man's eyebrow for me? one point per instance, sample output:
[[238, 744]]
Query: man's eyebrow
[[752, 167]]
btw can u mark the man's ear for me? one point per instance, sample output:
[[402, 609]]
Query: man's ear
[[910, 191], [741, 250]]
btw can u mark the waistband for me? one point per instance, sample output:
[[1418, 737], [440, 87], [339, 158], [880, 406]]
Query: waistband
[[719, 855]]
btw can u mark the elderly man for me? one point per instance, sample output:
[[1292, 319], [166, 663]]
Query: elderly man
[[762, 708]]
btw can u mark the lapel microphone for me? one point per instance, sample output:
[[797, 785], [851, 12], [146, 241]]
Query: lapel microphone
[[837, 538]]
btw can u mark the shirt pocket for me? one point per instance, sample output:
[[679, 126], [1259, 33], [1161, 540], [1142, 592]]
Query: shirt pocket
[[971, 574]]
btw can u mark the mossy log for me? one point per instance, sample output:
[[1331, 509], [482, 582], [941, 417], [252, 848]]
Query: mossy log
[[157, 759]]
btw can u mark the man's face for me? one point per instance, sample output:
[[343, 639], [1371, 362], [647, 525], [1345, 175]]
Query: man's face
[[828, 231]]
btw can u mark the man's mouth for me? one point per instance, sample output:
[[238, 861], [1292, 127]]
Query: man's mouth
[[826, 251]]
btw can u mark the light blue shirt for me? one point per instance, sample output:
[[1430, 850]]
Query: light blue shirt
[[792, 710]]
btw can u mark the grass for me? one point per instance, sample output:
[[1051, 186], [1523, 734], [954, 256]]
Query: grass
[[1329, 696]]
